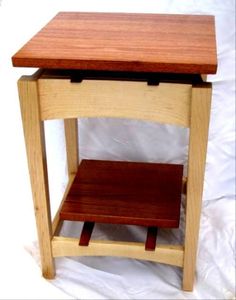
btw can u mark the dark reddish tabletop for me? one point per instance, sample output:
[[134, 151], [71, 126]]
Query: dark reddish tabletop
[[123, 42]]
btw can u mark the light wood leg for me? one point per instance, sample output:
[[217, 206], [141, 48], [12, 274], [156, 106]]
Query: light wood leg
[[35, 147], [200, 114], [71, 133], [72, 152]]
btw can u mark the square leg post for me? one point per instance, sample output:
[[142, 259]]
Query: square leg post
[[71, 134], [200, 115], [72, 153], [36, 154]]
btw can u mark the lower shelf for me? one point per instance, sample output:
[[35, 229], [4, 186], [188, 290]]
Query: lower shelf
[[146, 194]]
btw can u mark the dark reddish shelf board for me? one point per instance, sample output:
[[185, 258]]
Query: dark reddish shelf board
[[123, 42], [146, 194]]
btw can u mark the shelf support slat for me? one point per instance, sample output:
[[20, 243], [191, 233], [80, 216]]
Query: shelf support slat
[[86, 233], [150, 244]]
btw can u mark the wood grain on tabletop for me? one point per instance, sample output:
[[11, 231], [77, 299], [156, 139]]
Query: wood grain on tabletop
[[145, 194], [123, 42]]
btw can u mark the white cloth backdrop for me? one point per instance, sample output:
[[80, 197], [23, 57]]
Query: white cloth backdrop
[[120, 139]]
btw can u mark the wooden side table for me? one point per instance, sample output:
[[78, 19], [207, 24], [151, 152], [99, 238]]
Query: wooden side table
[[142, 66]]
